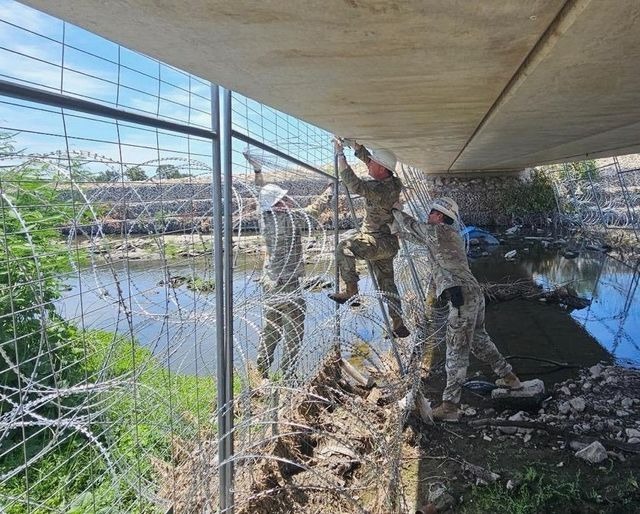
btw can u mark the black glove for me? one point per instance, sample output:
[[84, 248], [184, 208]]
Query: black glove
[[454, 295]]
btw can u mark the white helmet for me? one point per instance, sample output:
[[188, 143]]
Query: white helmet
[[446, 206], [270, 195], [384, 157]]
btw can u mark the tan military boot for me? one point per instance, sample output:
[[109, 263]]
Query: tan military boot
[[399, 328], [350, 292], [510, 381], [446, 411]]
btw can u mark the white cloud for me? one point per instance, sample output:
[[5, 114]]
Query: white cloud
[[26, 17]]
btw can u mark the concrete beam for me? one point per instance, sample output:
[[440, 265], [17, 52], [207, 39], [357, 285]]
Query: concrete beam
[[449, 86]]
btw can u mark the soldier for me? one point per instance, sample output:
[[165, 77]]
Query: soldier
[[456, 285], [282, 226], [374, 241]]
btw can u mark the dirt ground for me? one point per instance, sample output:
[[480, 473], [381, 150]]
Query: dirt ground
[[469, 467]]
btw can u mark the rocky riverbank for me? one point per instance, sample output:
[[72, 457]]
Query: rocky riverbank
[[577, 451]]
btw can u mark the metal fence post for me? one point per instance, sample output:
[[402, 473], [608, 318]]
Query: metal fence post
[[221, 119]]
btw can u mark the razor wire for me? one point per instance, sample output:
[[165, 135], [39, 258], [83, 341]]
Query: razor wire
[[107, 376], [110, 229], [602, 194], [106, 277]]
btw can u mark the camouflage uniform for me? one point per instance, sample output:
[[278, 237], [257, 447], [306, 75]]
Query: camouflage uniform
[[283, 267], [374, 242], [465, 324]]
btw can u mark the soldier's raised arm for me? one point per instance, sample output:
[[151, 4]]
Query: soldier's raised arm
[[411, 225], [354, 183]]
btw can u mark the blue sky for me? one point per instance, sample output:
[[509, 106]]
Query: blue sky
[[42, 51]]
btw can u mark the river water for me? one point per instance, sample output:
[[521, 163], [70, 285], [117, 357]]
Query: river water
[[177, 323]]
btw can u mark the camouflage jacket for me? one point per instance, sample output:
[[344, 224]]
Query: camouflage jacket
[[379, 195], [449, 264], [282, 231]]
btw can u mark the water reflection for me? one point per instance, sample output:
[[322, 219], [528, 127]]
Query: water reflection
[[613, 319], [178, 324]]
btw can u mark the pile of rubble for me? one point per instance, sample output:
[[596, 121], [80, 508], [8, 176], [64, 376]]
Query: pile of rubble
[[596, 416]]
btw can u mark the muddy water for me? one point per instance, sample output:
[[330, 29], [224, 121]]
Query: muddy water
[[608, 330], [177, 324]]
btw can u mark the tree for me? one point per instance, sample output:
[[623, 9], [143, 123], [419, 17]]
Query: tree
[[168, 171], [581, 170], [135, 173], [29, 284], [108, 175]]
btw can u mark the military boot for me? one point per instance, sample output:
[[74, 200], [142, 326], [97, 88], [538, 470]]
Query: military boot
[[351, 291], [399, 329], [510, 381], [446, 411]]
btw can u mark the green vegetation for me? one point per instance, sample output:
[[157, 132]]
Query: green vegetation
[[168, 171], [536, 492], [148, 410], [532, 198], [580, 170], [201, 285], [542, 490], [135, 173], [89, 451], [32, 259]]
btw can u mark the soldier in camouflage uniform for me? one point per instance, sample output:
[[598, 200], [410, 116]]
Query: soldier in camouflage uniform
[[456, 285], [282, 228], [374, 242]]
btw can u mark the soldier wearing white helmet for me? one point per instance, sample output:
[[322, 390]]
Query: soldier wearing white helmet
[[457, 287], [282, 226], [374, 241]]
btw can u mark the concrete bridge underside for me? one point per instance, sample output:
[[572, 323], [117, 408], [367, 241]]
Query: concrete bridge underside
[[450, 86]]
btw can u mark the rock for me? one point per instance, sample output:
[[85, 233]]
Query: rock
[[487, 438], [441, 498], [634, 440], [508, 430], [510, 485], [596, 371], [594, 453], [577, 445], [565, 390], [622, 413], [627, 403], [578, 404], [632, 432], [518, 416], [527, 437], [470, 411], [586, 386], [564, 408], [530, 388]]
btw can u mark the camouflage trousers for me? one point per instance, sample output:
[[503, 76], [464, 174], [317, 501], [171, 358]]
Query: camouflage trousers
[[285, 311], [466, 332], [379, 250]]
